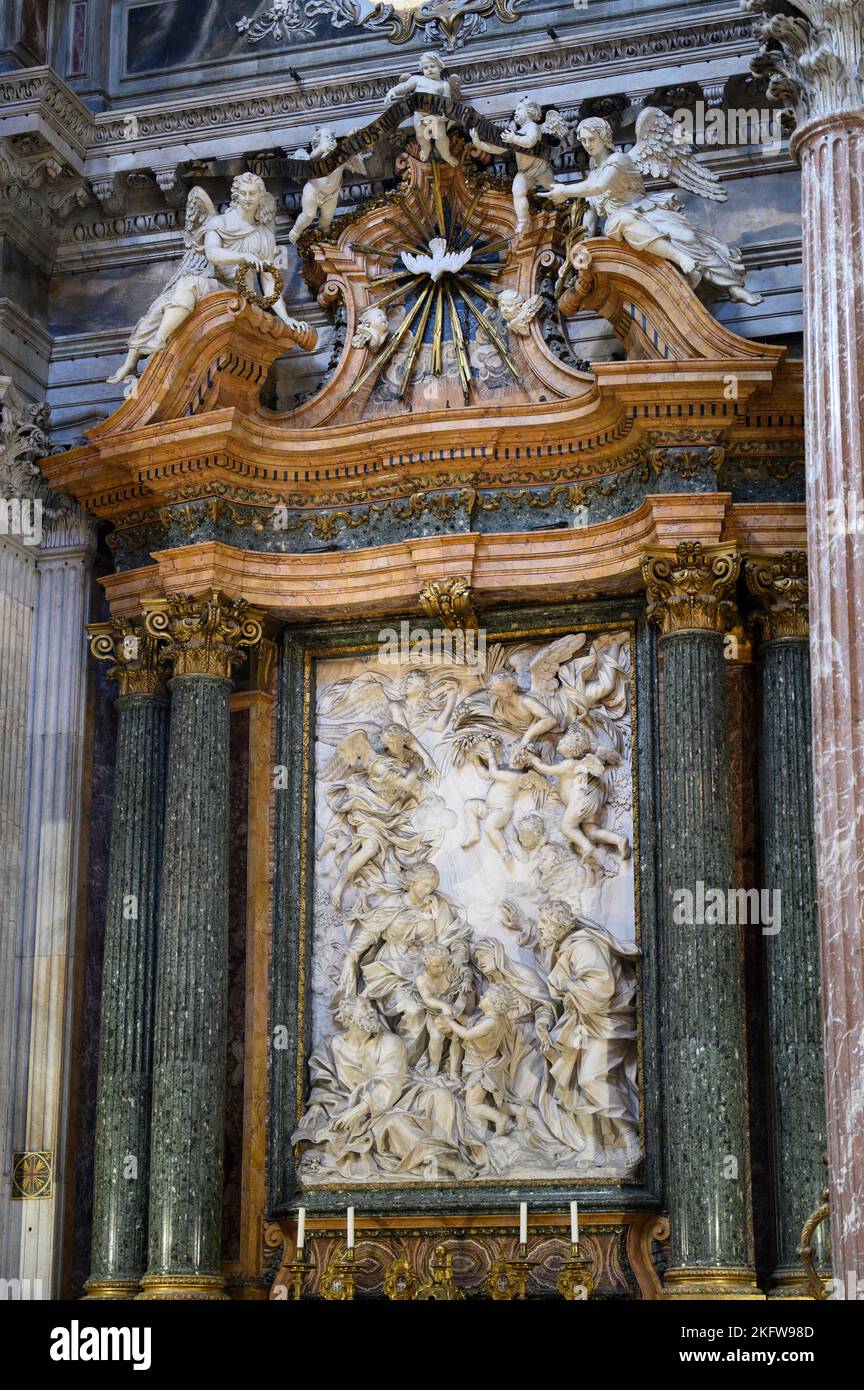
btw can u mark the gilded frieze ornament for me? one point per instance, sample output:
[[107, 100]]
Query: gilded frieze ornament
[[448, 602], [205, 634], [139, 663], [448, 22], [780, 584], [692, 588]]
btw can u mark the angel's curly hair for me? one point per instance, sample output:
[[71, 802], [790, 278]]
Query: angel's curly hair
[[266, 209], [595, 125]]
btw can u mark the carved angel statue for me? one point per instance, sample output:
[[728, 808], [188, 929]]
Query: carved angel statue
[[372, 328], [439, 262], [517, 311], [522, 135], [429, 129], [615, 191], [320, 196], [503, 706], [216, 243], [581, 785], [506, 786]]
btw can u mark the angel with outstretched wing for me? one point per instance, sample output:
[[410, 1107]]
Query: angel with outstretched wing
[[615, 192], [502, 706], [533, 169], [596, 689]]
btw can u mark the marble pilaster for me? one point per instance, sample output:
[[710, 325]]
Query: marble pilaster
[[691, 599], [121, 1160], [794, 1022], [204, 639], [814, 54]]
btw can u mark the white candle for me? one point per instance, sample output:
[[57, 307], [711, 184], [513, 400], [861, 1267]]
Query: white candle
[[574, 1223], [301, 1229], [523, 1223], [350, 1228]]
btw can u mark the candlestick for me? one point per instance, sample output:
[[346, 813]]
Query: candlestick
[[301, 1229], [574, 1223], [523, 1223], [350, 1241]]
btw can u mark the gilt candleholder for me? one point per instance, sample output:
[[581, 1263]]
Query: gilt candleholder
[[508, 1279], [337, 1283], [575, 1282]]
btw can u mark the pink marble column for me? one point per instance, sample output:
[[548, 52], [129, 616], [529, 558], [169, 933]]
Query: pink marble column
[[816, 61]]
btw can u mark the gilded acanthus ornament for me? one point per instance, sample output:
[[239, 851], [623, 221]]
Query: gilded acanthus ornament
[[449, 22], [448, 602], [780, 583], [813, 53], [138, 660], [692, 588], [205, 634], [615, 192]]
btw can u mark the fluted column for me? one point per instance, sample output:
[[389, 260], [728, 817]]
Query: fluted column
[[121, 1160], [204, 639], [792, 946], [814, 53], [691, 599]]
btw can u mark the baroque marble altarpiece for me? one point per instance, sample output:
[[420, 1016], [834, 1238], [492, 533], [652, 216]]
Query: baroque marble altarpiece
[[472, 997]]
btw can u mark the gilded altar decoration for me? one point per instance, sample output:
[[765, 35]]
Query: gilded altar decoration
[[448, 602], [138, 661], [448, 22], [692, 588], [780, 583], [218, 246], [614, 190], [32, 1175], [204, 635], [473, 967]]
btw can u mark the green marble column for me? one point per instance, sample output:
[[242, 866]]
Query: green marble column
[[119, 1249], [204, 638], [795, 1054], [691, 598]]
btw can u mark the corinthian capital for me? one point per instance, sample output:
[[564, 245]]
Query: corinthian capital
[[138, 664], [813, 52], [780, 584], [691, 589], [204, 634]]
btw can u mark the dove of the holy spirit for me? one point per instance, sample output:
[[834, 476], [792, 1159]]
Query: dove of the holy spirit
[[440, 262]]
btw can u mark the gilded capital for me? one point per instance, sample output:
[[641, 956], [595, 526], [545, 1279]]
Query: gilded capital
[[138, 662], [780, 584], [449, 602], [813, 52], [204, 634], [692, 589]]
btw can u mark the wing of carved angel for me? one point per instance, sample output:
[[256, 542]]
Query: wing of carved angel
[[199, 209], [544, 667], [661, 153], [455, 85], [556, 124]]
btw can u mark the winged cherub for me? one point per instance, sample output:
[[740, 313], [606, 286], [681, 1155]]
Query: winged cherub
[[523, 135], [517, 311], [216, 244], [615, 191], [531, 714], [429, 129], [320, 196]]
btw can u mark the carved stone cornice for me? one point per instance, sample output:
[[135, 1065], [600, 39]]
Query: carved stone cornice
[[205, 634], [449, 602], [780, 584], [692, 589], [813, 53], [138, 660]]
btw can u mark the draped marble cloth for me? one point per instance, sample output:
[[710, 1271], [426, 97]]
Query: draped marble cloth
[[595, 1070], [415, 1127]]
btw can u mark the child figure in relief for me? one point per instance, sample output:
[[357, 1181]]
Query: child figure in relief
[[490, 1045], [441, 988]]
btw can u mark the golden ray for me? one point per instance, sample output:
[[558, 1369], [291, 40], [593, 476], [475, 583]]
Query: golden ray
[[388, 277], [438, 332], [493, 336], [498, 244], [439, 202], [493, 270], [383, 251], [389, 349], [417, 343], [466, 220], [395, 294], [415, 222], [462, 357]]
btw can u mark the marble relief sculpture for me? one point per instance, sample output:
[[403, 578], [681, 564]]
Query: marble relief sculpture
[[473, 994], [533, 168], [216, 245], [614, 190], [430, 129], [320, 196]]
